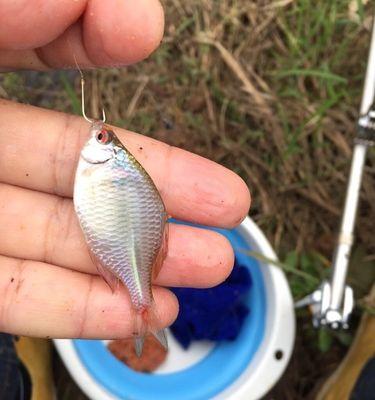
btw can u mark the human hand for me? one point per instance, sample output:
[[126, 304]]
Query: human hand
[[48, 283]]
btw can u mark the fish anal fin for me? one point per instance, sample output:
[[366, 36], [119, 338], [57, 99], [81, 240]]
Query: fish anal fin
[[111, 280], [162, 252]]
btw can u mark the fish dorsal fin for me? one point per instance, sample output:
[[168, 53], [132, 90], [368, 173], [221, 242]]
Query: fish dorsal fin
[[111, 280], [162, 252]]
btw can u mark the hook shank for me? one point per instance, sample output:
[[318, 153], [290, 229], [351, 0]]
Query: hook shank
[[91, 120]]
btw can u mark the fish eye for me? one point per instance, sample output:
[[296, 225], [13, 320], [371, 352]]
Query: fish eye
[[104, 136]]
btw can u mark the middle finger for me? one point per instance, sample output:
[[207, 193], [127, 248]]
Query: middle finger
[[43, 227]]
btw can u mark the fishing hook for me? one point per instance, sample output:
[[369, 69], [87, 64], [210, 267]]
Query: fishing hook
[[91, 120]]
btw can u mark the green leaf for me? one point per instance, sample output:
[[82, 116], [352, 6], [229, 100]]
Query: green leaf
[[361, 273], [316, 73], [291, 259], [344, 338], [324, 340]]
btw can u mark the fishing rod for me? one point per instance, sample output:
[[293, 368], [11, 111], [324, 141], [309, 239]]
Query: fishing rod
[[333, 302]]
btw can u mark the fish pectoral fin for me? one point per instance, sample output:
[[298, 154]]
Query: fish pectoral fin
[[162, 252], [111, 280]]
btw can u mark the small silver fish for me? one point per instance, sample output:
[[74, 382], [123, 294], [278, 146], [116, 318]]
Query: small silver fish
[[124, 222]]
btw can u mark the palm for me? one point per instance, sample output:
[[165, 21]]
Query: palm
[[48, 284]]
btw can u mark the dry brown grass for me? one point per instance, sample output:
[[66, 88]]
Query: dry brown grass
[[270, 89], [216, 87]]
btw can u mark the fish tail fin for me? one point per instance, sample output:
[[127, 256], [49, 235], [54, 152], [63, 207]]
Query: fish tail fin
[[161, 336], [138, 345], [146, 321]]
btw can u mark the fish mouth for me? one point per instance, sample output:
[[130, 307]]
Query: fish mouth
[[95, 161], [95, 154]]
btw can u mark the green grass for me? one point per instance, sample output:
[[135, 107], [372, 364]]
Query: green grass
[[306, 62], [318, 35], [71, 93]]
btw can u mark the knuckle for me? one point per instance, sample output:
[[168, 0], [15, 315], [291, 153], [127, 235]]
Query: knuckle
[[65, 156], [58, 226]]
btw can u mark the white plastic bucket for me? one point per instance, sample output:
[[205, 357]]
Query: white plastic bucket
[[245, 369]]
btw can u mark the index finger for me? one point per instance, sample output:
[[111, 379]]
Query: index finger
[[39, 150]]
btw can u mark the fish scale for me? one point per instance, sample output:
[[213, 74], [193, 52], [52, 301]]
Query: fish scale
[[123, 219]]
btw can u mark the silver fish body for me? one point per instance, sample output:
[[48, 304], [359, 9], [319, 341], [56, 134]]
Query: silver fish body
[[121, 214]]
